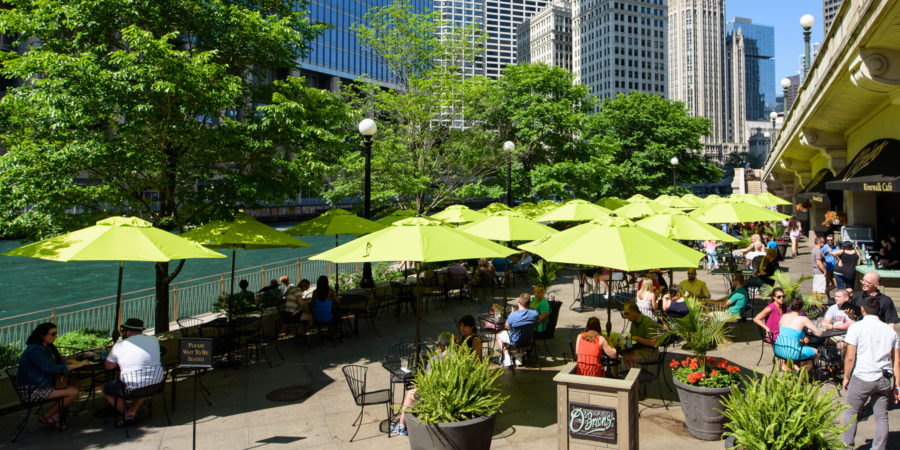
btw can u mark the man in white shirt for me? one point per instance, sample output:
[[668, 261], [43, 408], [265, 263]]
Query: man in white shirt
[[137, 358], [873, 353], [836, 318]]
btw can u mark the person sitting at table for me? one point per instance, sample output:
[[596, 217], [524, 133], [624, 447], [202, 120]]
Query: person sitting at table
[[756, 248], [272, 285], [646, 300], [458, 276], [599, 277], [296, 305], [836, 318], [890, 254], [887, 311], [651, 278], [674, 304], [643, 335], [524, 264], [325, 301], [484, 276], [521, 316], [767, 267], [286, 282], [541, 306], [589, 348], [244, 284], [399, 427], [134, 352], [770, 241], [791, 326], [694, 287], [770, 317], [467, 336], [39, 362], [737, 301]]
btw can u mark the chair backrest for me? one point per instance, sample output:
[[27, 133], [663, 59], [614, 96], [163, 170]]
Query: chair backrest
[[765, 335], [401, 350], [271, 325], [573, 337], [13, 373], [456, 324], [456, 280], [484, 280], [552, 319], [588, 365], [522, 335], [144, 383], [402, 290], [756, 262], [356, 380], [189, 327]]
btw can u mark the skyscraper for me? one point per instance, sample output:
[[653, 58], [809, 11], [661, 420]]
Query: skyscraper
[[547, 36], [791, 93], [620, 46], [756, 43], [830, 8], [696, 47]]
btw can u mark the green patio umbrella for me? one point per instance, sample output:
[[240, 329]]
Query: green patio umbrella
[[611, 203], [711, 199], [725, 211], [693, 199], [243, 232], [415, 239], [678, 225], [508, 226], [575, 211], [459, 214], [638, 198], [674, 202], [746, 198], [116, 239], [549, 205], [399, 214], [771, 200], [494, 207], [616, 243], [640, 209], [336, 222]]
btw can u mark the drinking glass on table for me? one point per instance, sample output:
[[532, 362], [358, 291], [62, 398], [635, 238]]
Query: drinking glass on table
[[404, 364]]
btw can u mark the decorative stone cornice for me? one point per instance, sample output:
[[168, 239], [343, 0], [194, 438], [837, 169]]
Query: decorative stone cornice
[[813, 138], [876, 70]]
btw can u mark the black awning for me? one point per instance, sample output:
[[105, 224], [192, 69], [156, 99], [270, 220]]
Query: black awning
[[875, 169], [816, 190]]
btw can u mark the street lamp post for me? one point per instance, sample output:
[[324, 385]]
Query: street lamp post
[[368, 128], [674, 162], [786, 85], [767, 135], [774, 116], [509, 146], [807, 22]]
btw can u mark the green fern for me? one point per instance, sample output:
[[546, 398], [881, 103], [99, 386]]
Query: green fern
[[702, 329], [783, 411], [783, 280]]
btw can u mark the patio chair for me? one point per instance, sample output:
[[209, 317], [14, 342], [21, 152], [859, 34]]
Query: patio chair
[[356, 380], [437, 294], [404, 295], [392, 358], [484, 327], [268, 331], [144, 384], [590, 365], [522, 338], [550, 328], [456, 282], [382, 298], [290, 326], [482, 285], [765, 338], [521, 273], [26, 394], [371, 313], [189, 328], [654, 370], [320, 310]]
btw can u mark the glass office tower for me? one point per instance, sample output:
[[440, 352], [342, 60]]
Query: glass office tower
[[759, 65]]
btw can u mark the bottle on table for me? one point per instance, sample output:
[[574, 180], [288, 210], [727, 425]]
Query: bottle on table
[[628, 342]]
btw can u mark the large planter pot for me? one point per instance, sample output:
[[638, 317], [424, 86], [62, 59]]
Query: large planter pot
[[699, 405], [472, 434], [782, 250]]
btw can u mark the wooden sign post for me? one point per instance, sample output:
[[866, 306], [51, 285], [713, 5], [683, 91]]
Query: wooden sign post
[[196, 353]]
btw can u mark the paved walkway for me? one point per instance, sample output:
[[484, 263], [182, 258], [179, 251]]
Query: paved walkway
[[242, 418]]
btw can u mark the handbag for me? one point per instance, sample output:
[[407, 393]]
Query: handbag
[[60, 382]]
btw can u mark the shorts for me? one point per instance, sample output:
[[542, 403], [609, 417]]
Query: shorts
[[504, 337], [837, 339], [34, 394], [819, 283], [114, 388]]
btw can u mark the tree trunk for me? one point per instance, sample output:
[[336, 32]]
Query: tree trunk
[[163, 279]]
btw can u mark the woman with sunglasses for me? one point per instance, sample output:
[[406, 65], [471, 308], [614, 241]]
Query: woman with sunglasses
[[770, 316], [39, 362]]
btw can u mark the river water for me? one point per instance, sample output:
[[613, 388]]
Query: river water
[[29, 284]]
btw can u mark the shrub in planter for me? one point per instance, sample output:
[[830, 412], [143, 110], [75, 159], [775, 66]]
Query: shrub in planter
[[784, 411], [240, 303], [812, 305], [270, 298], [9, 356], [458, 400], [84, 339]]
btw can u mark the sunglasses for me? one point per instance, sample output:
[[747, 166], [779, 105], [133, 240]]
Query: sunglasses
[[53, 334], [778, 296]]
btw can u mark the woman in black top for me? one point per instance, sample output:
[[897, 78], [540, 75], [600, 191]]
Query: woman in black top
[[467, 335], [845, 270], [674, 304]]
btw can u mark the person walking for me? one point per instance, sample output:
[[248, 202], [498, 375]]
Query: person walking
[[845, 271], [795, 231], [873, 351], [820, 285]]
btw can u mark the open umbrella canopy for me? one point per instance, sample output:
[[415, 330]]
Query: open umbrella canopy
[[674, 202], [639, 198], [416, 239], [677, 225], [116, 239], [399, 214], [640, 209], [335, 221], [693, 199], [508, 226], [746, 198], [549, 205], [711, 199], [611, 203], [614, 242], [575, 211], [771, 200], [494, 207], [458, 214], [734, 212], [243, 232]]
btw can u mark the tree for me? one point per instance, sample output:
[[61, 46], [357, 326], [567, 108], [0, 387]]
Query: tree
[[649, 131], [740, 159], [160, 109]]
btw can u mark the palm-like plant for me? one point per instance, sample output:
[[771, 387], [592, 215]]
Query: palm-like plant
[[702, 329], [776, 229], [791, 289], [544, 274]]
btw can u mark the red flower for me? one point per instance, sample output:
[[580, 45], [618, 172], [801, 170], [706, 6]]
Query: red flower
[[721, 364], [723, 361], [710, 360], [674, 364], [733, 369], [714, 373], [685, 363], [695, 377], [694, 366]]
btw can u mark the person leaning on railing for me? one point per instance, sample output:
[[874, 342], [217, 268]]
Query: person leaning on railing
[[39, 363]]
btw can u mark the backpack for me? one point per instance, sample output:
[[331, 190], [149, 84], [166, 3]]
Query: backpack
[[831, 356]]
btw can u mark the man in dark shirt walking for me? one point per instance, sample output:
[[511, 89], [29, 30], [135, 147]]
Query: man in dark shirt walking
[[887, 312]]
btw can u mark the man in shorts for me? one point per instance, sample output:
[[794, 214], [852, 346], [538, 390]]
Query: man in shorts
[[517, 318], [818, 261], [836, 318], [137, 358], [643, 334]]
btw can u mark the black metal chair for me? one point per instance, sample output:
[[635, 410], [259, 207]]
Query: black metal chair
[[484, 282], [456, 282], [268, 331], [484, 327], [370, 314], [522, 338], [404, 295], [291, 327], [189, 328], [356, 380], [320, 310], [392, 364], [142, 384], [654, 370], [437, 294], [591, 366], [765, 338], [550, 328], [26, 394]]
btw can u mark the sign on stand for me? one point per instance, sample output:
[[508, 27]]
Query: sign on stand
[[195, 353]]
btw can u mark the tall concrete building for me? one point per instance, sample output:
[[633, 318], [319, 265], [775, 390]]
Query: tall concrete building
[[829, 9], [620, 46], [696, 65], [547, 36], [792, 92]]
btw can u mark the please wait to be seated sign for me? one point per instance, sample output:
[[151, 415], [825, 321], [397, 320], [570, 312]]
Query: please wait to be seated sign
[[195, 352]]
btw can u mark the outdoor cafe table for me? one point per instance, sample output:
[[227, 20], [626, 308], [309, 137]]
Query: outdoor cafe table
[[227, 332], [350, 309], [99, 375], [889, 278]]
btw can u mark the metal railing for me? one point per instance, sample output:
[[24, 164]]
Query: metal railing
[[186, 299]]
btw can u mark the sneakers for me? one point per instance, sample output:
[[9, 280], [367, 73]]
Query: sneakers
[[398, 428], [475, 299], [506, 361], [518, 363]]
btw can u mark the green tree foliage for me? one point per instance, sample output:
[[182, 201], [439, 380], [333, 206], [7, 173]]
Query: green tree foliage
[[161, 109], [650, 130], [740, 159], [422, 157]]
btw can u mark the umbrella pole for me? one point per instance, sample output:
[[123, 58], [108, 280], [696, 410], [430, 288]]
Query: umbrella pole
[[609, 306], [230, 298], [118, 318], [337, 271], [418, 304]]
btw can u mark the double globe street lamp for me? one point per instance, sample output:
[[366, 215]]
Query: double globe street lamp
[[509, 146], [367, 128]]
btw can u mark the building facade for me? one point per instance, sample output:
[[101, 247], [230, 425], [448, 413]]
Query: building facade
[[756, 78], [547, 36], [829, 9], [791, 93]]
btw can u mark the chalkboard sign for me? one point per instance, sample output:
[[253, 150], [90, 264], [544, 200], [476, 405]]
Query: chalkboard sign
[[195, 352], [592, 422]]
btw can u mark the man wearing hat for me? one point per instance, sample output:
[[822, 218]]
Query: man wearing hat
[[137, 358]]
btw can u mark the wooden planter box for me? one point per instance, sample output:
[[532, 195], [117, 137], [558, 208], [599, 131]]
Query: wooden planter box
[[594, 413]]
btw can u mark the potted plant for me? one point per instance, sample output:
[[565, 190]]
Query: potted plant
[[783, 411], [702, 382], [239, 304], [804, 206], [812, 304], [835, 218], [544, 274], [458, 402]]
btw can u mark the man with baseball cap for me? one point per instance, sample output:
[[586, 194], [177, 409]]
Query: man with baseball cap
[[137, 358]]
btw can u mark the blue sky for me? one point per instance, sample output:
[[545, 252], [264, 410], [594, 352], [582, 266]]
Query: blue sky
[[784, 15]]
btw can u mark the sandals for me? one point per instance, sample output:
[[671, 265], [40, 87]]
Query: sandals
[[125, 421], [52, 423]]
